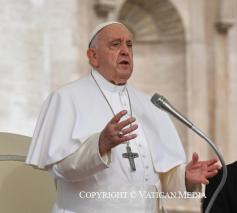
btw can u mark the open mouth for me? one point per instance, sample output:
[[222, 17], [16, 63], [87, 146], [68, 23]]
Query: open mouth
[[125, 62]]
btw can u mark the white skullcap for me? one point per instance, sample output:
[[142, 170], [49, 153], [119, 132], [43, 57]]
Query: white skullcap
[[99, 28]]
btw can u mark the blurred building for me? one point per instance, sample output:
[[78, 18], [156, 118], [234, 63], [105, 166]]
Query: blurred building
[[183, 49]]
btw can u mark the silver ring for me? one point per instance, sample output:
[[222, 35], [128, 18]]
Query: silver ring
[[120, 134]]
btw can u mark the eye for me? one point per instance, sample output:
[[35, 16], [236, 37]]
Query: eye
[[115, 43], [129, 44]]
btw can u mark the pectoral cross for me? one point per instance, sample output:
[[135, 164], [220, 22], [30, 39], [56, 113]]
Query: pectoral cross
[[130, 156]]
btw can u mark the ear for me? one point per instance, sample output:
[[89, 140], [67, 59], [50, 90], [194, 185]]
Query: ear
[[92, 56]]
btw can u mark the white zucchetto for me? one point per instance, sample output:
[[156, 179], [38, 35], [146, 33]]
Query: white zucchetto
[[99, 27]]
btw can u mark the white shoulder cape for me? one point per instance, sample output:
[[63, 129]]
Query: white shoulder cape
[[73, 113]]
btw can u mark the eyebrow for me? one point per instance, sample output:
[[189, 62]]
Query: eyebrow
[[119, 39]]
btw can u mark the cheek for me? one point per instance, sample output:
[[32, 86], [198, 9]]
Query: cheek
[[112, 60], [102, 60], [131, 57], [109, 58]]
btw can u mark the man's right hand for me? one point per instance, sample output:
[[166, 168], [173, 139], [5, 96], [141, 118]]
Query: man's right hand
[[116, 132]]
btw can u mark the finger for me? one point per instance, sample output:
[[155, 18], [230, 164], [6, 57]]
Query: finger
[[116, 134], [129, 129], [213, 167], [205, 181], [212, 161], [125, 123], [118, 116], [126, 138], [197, 165], [195, 157], [202, 180], [211, 174]]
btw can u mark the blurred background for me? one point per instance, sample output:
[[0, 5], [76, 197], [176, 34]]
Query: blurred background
[[183, 49]]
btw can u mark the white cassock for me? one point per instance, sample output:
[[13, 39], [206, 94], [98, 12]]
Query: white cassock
[[66, 139]]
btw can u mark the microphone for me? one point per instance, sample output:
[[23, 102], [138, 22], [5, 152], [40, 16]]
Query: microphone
[[163, 104]]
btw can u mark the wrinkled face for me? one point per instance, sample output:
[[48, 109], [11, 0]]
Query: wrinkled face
[[112, 55]]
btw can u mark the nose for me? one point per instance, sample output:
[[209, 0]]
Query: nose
[[124, 50]]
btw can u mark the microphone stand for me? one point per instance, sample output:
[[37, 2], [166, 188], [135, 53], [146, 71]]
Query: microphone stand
[[163, 104], [224, 175]]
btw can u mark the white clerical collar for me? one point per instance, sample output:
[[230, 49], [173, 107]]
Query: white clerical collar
[[105, 84]]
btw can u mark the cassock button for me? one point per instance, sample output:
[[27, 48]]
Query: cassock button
[[139, 145], [146, 179], [144, 156], [147, 167]]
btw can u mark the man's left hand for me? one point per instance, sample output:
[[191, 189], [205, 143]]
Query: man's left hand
[[198, 172]]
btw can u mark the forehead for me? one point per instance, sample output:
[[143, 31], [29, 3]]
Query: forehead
[[115, 31]]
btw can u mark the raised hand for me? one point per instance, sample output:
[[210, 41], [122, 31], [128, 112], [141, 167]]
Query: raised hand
[[116, 132], [198, 172]]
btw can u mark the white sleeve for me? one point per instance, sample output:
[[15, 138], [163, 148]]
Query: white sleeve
[[174, 180], [84, 162]]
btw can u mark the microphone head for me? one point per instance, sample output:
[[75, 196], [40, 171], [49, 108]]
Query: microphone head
[[159, 100], [162, 103]]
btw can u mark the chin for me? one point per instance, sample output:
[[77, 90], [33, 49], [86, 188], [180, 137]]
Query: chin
[[125, 73], [123, 77]]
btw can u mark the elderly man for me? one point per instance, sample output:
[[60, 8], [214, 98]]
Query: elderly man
[[104, 142]]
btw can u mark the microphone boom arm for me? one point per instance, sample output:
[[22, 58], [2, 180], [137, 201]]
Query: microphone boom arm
[[163, 104]]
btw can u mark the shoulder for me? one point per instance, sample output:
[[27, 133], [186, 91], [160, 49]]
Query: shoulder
[[232, 175], [74, 86], [72, 89], [139, 93], [232, 167], [68, 94], [145, 100], [231, 172]]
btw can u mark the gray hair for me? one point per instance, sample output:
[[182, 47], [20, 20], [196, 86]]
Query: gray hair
[[93, 43]]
